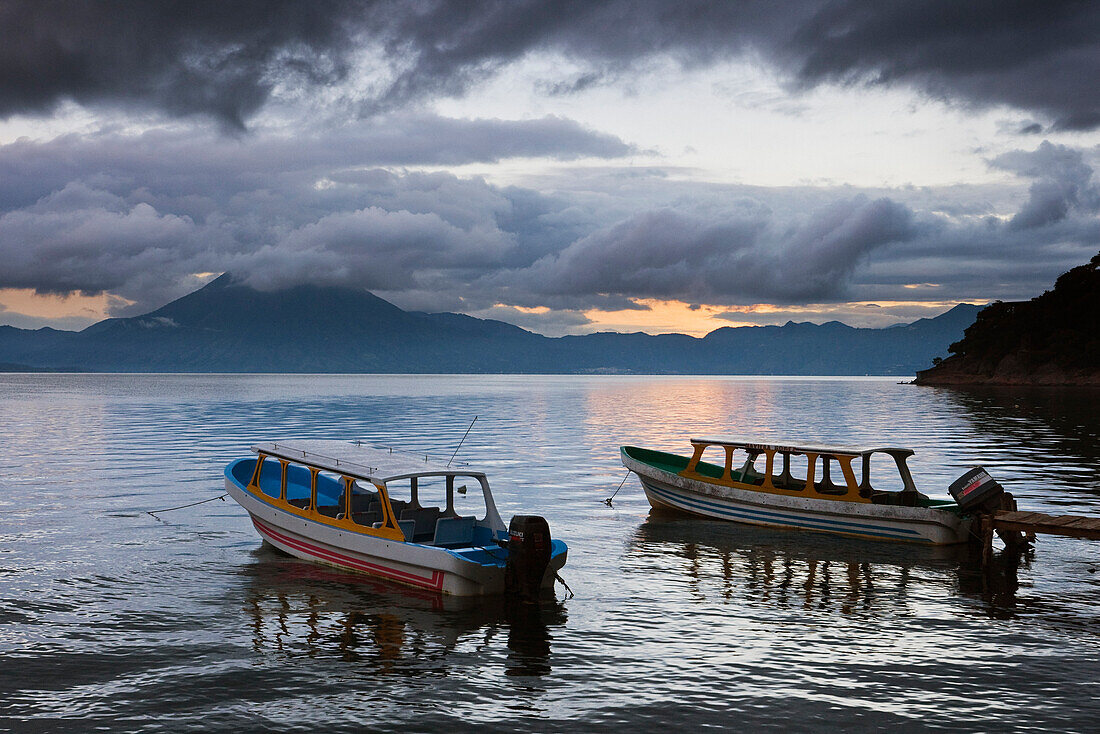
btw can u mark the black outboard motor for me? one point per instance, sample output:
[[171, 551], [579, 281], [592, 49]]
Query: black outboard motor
[[528, 556], [976, 491]]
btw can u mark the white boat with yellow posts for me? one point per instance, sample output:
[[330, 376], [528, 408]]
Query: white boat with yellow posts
[[804, 487], [391, 516]]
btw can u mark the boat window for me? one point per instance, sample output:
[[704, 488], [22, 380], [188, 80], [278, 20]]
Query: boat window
[[747, 467], [366, 505], [271, 477], [879, 473], [713, 462], [330, 494], [430, 492], [789, 471], [469, 497], [418, 505], [829, 477], [297, 485]]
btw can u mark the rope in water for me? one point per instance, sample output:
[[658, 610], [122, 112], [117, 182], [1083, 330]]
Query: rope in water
[[154, 513], [608, 500], [560, 580]]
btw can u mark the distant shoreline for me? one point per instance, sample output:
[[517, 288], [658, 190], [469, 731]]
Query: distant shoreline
[[9, 368], [898, 379]]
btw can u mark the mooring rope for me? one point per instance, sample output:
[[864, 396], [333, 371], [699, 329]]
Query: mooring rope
[[562, 582], [154, 513], [608, 500]]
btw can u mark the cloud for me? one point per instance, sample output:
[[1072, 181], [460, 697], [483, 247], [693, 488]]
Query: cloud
[[1033, 56], [551, 322], [372, 248], [137, 216], [204, 162], [201, 57], [1040, 57], [672, 255], [1063, 182], [227, 60], [89, 241]]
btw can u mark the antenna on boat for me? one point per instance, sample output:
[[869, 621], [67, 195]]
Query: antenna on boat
[[464, 435]]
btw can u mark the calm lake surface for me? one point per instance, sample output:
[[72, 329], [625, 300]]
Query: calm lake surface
[[113, 620]]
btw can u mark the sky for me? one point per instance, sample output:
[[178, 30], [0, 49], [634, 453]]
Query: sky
[[564, 166]]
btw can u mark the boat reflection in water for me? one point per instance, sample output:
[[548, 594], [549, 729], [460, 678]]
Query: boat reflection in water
[[300, 608], [719, 560]]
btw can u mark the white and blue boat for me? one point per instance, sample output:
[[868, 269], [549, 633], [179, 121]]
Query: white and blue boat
[[802, 487], [394, 517]]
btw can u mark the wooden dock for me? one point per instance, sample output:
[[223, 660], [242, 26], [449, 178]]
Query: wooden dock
[[1017, 529], [1032, 523]]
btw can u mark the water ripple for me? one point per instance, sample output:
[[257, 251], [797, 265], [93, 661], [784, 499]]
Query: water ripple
[[111, 619]]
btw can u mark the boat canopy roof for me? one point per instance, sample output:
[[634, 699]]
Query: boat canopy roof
[[352, 459], [751, 445]]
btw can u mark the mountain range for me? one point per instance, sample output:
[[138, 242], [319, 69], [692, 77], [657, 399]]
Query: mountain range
[[227, 326]]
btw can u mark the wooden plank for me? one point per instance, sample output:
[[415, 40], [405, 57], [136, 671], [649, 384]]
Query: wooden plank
[[1010, 516], [1073, 526]]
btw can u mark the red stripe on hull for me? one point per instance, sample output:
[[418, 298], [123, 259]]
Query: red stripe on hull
[[434, 583]]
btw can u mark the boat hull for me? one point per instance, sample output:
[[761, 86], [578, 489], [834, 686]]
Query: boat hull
[[435, 569], [923, 525]]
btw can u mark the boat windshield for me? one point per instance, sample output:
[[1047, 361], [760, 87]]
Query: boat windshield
[[452, 509]]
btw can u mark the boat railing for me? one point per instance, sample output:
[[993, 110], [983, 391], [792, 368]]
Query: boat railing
[[336, 461], [427, 457]]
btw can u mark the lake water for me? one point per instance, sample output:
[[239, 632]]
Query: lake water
[[113, 620]]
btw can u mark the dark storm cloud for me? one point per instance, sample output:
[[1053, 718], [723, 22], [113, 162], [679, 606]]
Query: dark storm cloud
[[1037, 56], [226, 59], [217, 58]]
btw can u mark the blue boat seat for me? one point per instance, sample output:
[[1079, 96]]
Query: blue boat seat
[[407, 527], [454, 532], [482, 536], [424, 519]]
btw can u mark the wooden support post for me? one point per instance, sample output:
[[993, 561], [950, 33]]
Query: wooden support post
[[987, 540], [1013, 539]]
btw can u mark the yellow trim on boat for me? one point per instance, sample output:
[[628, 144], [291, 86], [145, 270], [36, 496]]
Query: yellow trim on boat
[[388, 530], [848, 492]]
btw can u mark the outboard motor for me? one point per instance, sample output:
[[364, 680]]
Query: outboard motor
[[528, 556], [976, 491]]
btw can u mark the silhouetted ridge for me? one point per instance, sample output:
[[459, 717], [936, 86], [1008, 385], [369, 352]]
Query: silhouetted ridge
[[1053, 339]]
